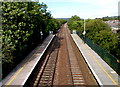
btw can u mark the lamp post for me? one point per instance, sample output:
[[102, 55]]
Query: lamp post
[[41, 33], [84, 32]]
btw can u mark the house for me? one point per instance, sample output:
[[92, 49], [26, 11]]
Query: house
[[115, 29]]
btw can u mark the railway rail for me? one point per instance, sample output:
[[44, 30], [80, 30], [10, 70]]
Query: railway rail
[[59, 62], [77, 76], [48, 69], [60, 65], [44, 74]]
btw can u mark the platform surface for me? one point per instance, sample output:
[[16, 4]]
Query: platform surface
[[22, 71], [103, 73]]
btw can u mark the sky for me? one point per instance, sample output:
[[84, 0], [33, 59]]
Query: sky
[[82, 8]]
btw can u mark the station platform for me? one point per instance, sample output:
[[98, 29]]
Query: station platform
[[103, 73], [20, 73]]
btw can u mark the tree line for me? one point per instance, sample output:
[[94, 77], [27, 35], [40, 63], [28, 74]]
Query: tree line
[[110, 18], [22, 23], [99, 32]]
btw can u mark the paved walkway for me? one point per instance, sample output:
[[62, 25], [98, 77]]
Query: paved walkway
[[103, 73], [21, 73]]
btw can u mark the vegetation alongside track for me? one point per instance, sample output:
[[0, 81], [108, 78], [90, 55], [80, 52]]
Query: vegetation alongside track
[[99, 32], [22, 23]]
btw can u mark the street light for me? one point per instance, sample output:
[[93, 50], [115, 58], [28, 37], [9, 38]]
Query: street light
[[84, 32]]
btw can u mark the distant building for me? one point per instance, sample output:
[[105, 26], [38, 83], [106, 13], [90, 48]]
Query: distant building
[[114, 24], [115, 29]]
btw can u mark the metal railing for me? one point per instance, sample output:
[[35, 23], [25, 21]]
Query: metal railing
[[107, 57]]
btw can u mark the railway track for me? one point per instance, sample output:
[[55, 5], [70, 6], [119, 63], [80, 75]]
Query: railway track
[[60, 65], [76, 74], [46, 74]]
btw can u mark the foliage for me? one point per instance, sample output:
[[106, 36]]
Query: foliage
[[99, 32], [21, 24], [74, 22], [54, 24], [110, 18]]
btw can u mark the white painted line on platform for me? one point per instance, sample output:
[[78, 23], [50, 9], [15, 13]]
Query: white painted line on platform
[[39, 59], [21, 68], [98, 63]]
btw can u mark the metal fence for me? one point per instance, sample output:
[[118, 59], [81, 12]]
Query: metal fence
[[107, 57]]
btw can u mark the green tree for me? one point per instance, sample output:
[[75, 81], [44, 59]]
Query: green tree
[[99, 32], [74, 22], [21, 24]]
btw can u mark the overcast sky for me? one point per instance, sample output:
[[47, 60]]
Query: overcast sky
[[82, 8]]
